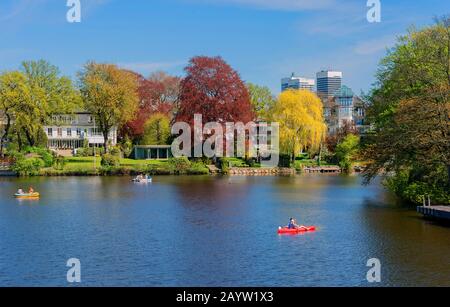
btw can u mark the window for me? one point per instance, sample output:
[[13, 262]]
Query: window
[[59, 132], [69, 132], [96, 132], [50, 132], [78, 132]]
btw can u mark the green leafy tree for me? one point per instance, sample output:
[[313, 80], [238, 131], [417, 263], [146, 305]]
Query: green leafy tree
[[14, 91], [411, 110], [262, 100], [126, 146], [50, 94], [110, 94], [347, 151], [157, 130]]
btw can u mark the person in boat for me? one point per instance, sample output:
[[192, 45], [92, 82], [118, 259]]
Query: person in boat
[[293, 224], [20, 192], [30, 190], [139, 177]]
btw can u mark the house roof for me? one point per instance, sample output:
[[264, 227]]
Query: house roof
[[344, 91]]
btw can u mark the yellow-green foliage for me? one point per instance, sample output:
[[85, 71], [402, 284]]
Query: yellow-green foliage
[[302, 126], [156, 130]]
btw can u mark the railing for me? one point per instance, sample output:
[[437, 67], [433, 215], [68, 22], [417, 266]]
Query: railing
[[425, 204]]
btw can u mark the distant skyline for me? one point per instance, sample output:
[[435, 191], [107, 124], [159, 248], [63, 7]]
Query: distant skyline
[[262, 39]]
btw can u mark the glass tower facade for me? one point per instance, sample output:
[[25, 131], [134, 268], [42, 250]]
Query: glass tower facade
[[297, 83], [328, 82]]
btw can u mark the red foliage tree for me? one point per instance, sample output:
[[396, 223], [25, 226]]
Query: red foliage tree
[[158, 94], [212, 88]]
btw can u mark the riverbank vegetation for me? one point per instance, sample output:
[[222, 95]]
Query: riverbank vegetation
[[143, 109], [410, 112], [106, 165]]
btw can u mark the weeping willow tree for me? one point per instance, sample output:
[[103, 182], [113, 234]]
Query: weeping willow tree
[[302, 125]]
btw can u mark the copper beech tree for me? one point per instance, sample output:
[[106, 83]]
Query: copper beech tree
[[158, 94], [213, 89]]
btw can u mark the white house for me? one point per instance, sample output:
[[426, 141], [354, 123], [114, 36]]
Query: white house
[[344, 107], [69, 132]]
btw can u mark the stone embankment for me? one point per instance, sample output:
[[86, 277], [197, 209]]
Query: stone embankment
[[322, 169], [261, 171]]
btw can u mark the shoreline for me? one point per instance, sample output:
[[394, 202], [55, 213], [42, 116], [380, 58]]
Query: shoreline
[[124, 171]]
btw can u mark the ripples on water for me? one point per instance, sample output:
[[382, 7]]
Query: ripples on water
[[215, 231]]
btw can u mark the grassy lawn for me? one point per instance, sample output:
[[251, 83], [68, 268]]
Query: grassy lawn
[[237, 162], [75, 163], [131, 162], [310, 163], [79, 163]]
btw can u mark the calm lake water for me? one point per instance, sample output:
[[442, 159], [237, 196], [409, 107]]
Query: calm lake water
[[215, 231]]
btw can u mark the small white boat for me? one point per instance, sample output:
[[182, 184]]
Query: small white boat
[[143, 179]]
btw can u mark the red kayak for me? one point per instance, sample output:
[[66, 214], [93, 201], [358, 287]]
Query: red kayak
[[285, 230]]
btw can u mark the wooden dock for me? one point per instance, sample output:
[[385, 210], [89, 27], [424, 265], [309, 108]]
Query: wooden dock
[[438, 212], [322, 169]]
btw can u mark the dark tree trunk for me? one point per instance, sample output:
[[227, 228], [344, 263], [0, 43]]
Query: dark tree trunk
[[30, 138], [5, 134], [19, 141], [319, 158], [105, 139], [448, 177]]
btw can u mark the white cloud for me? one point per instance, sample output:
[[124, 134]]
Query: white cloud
[[375, 45], [148, 67], [17, 8]]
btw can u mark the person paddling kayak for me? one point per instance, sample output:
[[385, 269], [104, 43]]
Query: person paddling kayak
[[293, 224]]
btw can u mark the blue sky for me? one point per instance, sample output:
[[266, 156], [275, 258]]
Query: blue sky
[[264, 40]]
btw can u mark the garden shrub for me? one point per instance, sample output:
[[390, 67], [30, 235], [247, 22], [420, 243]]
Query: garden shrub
[[115, 151], [179, 165], [224, 165], [127, 147], [46, 155], [89, 152], [60, 163], [198, 168], [109, 160], [28, 167]]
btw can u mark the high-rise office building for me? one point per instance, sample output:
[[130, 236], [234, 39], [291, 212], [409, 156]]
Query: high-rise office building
[[297, 83], [328, 82]]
